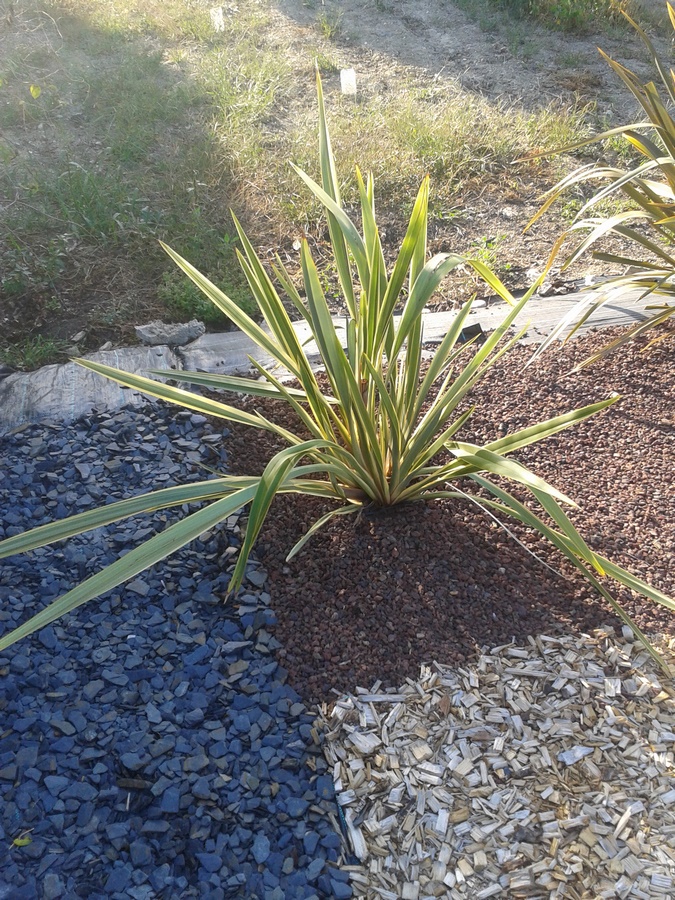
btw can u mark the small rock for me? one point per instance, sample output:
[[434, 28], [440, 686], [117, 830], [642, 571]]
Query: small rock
[[93, 688], [138, 586], [118, 879], [574, 754], [257, 577], [210, 861], [80, 790], [117, 678], [157, 332], [56, 784], [132, 761], [296, 807], [52, 887], [141, 853], [153, 714], [19, 664], [159, 748], [340, 890], [261, 848], [315, 868], [170, 802], [201, 788], [325, 788], [47, 638], [194, 717], [310, 841], [195, 763]]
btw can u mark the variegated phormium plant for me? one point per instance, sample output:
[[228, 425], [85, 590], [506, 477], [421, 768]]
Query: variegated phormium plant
[[388, 430], [648, 224]]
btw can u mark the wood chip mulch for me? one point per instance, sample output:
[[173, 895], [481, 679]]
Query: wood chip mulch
[[544, 770]]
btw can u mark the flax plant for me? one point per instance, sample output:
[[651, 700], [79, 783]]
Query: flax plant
[[385, 432], [649, 222]]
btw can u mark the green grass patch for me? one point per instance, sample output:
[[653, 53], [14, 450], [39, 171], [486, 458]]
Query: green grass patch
[[33, 352], [185, 301], [565, 15]]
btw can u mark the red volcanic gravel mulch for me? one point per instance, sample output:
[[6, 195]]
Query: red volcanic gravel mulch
[[371, 597]]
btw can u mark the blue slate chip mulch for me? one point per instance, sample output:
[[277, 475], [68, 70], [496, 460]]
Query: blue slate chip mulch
[[150, 746]]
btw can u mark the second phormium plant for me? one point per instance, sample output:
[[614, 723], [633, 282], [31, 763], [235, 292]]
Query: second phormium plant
[[648, 224], [387, 432]]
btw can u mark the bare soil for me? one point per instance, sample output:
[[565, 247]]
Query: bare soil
[[387, 42]]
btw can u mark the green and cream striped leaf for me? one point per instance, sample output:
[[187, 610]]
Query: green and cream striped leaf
[[316, 526], [539, 432], [414, 238], [234, 383], [473, 458], [508, 504], [135, 561], [340, 241], [277, 471], [123, 509], [424, 286], [186, 399], [229, 308]]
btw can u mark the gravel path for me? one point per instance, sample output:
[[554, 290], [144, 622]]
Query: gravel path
[[375, 597], [150, 744]]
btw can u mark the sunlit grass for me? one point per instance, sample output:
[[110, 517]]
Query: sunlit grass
[[151, 125]]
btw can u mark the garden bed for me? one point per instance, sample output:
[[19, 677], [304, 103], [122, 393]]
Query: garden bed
[[373, 597]]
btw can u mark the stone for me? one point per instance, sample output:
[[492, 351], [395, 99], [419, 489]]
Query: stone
[[76, 719], [162, 746], [153, 714], [20, 664], [340, 890], [141, 853], [91, 689], [324, 787], [296, 807], [155, 826], [315, 868], [80, 790], [194, 717], [118, 879], [52, 887], [56, 784], [257, 577], [157, 333], [62, 726], [210, 861], [196, 763], [47, 638], [261, 848], [132, 761], [160, 878], [310, 841], [201, 788], [170, 802]]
